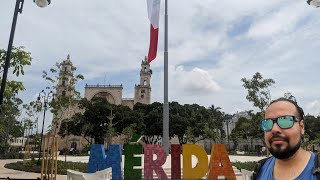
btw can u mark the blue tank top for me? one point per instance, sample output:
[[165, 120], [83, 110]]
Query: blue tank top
[[266, 171]]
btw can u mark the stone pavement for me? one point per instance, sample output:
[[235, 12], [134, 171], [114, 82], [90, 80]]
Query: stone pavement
[[4, 172]]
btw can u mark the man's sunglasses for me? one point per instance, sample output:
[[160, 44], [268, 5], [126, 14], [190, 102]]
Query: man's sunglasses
[[284, 122]]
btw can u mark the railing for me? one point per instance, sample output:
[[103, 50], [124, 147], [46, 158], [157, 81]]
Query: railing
[[105, 174], [127, 99], [246, 175], [99, 86]]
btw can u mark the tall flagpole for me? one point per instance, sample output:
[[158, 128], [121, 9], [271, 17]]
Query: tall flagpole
[[165, 101]]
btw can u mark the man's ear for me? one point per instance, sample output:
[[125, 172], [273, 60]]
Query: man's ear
[[301, 124]]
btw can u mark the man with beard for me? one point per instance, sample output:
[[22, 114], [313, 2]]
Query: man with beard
[[283, 128]]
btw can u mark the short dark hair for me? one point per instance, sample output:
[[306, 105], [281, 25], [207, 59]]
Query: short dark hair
[[299, 109]]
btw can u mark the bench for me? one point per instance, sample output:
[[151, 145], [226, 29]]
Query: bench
[[240, 152]]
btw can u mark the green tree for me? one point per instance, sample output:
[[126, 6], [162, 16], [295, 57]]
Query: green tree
[[75, 127], [19, 59], [10, 109], [129, 122], [32, 111], [289, 95], [258, 90], [200, 120], [312, 127], [11, 127], [248, 129], [258, 94], [178, 122], [100, 119], [153, 119], [194, 122], [217, 122], [96, 112]]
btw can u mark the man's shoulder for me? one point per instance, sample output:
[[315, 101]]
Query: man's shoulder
[[316, 167], [311, 169], [259, 164], [263, 163]]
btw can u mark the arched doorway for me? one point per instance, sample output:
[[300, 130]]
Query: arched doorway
[[106, 95]]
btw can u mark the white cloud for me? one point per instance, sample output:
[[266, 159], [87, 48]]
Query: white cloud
[[313, 107], [195, 81], [280, 21], [280, 40]]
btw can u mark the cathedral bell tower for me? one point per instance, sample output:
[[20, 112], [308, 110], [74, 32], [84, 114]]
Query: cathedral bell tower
[[143, 90], [65, 87]]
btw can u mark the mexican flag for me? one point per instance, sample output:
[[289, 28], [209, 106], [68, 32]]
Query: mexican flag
[[153, 15]]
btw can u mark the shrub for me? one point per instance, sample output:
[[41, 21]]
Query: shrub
[[16, 155], [31, 166], [244, 165]]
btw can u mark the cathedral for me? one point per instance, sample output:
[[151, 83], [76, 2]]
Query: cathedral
[[113, 93]]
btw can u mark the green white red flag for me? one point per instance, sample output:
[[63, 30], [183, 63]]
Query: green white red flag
[[153, 15]]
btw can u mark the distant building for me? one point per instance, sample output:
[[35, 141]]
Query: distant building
[[243, 144], [232, 121], [18, 142], [112, 92]]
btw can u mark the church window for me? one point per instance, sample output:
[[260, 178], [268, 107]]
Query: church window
[[144, 82], [143, 91], [64, 80], [63, 93], [142, 95], [145, 69], [65, 69]]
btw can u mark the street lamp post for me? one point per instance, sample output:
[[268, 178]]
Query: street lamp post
[[18, 9], [46, 98]]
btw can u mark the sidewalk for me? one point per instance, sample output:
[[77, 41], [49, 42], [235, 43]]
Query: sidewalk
[[235, 158], [4, 172]]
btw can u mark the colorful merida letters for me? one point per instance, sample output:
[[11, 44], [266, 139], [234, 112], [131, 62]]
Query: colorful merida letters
[[219, 165]]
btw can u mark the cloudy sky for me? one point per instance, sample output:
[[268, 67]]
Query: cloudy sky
[[212, 45]]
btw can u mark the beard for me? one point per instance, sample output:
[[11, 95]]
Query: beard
[[285, 153]]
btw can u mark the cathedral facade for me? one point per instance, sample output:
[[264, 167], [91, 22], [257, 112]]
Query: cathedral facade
[[113, 93]]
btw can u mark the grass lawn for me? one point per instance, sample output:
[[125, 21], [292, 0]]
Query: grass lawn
[[31, 166]]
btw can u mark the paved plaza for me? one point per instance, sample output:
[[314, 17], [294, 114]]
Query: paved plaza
[[4, 172]]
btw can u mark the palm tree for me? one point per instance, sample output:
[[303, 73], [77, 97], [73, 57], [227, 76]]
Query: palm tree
[[217, 120]]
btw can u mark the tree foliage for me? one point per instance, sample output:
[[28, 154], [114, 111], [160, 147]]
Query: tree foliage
[[19, 59], [189, 122], [288, 95], [312, 127], [247, 129], [10, 109], [97, 122], [258, 90]]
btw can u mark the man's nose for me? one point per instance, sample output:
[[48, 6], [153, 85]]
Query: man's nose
[[275, 128]]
